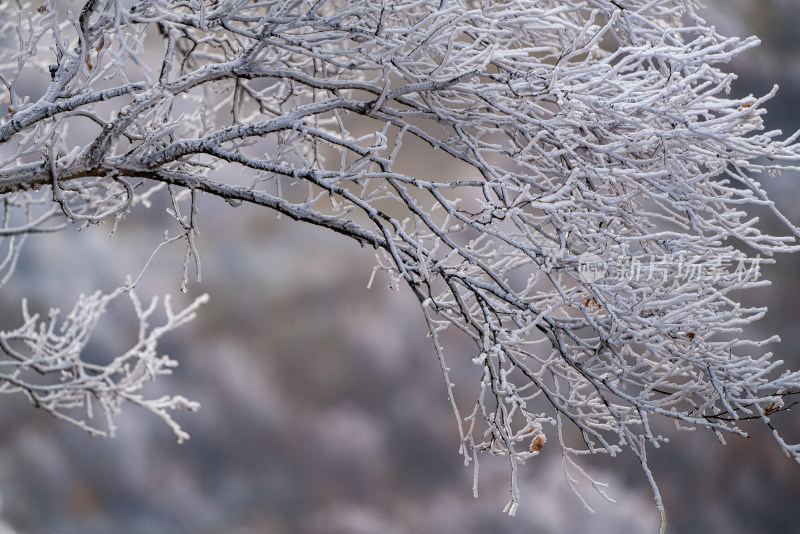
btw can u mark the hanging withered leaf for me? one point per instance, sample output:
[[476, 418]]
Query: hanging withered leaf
[[537, 443], [772, 407]]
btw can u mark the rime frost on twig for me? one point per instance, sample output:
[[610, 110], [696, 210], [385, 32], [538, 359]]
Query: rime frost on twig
[[43, 359], [594, 129]]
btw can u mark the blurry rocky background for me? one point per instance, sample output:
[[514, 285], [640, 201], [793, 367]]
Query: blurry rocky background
[[324, 410]]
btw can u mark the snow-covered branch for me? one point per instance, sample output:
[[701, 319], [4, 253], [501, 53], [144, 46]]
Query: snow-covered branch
[[45, 359], [592, 245]]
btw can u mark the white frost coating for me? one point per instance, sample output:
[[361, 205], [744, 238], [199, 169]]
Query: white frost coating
[[43, 360], [595, 126]]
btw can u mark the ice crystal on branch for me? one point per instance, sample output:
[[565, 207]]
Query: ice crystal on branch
[[593, 127], [44, 361]]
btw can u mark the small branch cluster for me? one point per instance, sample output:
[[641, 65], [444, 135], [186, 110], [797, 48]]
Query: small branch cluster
[[45, 359]]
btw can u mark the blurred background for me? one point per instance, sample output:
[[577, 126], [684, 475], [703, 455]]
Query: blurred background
[[323, 407]]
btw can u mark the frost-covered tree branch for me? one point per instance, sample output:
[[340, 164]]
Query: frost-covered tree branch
[[43, 360], [587, 133]]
